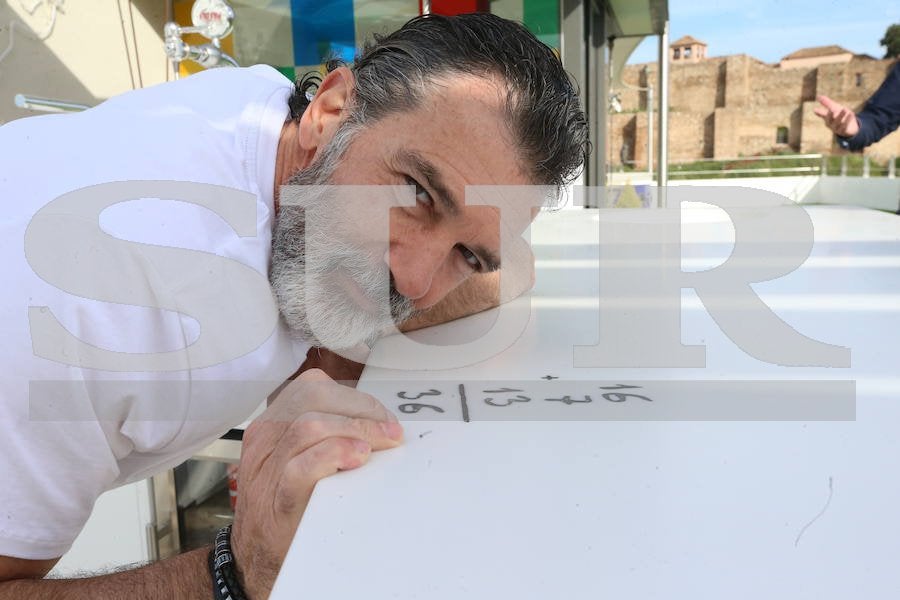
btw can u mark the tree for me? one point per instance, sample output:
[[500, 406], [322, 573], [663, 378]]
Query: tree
[[891, 41]]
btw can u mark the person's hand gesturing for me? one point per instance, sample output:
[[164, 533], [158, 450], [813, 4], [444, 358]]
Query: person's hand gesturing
[[313, 429]]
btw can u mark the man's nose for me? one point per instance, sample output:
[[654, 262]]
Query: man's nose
[[417, 268]]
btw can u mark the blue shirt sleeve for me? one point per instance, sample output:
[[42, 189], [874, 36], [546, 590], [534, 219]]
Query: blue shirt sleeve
[[881, 114]]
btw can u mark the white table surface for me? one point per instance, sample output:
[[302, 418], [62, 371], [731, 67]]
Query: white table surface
[[634, 499]]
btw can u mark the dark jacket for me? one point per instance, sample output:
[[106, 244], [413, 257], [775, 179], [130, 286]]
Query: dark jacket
[[881, 114]]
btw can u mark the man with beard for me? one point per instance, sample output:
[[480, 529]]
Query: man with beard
[[104, 309]]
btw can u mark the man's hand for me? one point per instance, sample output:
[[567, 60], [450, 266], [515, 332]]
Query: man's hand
[[313, 429], [838, 118]]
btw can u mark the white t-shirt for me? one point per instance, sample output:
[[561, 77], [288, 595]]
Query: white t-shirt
[[70, 429]]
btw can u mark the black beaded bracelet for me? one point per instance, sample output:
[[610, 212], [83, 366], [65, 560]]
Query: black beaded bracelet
[[223, 570]]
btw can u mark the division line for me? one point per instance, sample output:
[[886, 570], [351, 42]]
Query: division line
[[465, 405], [821, 512]]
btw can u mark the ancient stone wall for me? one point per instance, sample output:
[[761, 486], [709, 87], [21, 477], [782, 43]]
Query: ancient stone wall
[[733, 106]]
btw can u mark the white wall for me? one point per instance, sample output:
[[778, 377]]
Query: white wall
[[881, 193], [96, 49], [114, 536], [871, 192]]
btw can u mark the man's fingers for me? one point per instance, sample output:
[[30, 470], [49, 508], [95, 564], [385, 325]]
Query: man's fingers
[[838, 117], [337, 399], [849, 126], [314, 375], [314, 427], [301, 473], [314, 391], [828, 111], [829, 104], [840, 122]]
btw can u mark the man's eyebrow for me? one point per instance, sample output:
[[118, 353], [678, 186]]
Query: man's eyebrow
[[433, 178], [491, 260]]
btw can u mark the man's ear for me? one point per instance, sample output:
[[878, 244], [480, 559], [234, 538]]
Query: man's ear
[[325, 112]]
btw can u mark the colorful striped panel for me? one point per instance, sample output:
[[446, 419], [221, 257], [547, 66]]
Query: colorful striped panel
[[541, 17], [324, 29], [321, 30]]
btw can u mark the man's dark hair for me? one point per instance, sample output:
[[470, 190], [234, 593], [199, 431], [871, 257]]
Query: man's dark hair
[[393, 74]]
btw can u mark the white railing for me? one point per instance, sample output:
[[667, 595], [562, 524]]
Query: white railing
[[810, 164]]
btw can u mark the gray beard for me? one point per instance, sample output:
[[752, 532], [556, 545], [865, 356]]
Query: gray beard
[[306, 283]]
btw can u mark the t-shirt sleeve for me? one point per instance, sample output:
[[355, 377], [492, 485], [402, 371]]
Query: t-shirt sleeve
[[50, 475], [72, 430]]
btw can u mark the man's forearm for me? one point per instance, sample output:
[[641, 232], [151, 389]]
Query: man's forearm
[[183, 577]]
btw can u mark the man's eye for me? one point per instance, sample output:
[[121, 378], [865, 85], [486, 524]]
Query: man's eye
[[422, 195], [470, 258]]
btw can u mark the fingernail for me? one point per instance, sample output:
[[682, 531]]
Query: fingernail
[[392, 430]]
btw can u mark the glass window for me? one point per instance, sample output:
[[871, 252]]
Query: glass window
[[296, 36], [781, 135]]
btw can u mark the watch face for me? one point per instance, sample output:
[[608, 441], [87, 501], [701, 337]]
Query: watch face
[[215, 15]]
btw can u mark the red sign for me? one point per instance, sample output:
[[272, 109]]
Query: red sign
[[458, 7]]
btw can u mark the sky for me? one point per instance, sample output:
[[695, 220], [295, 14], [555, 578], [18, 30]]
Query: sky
[[770, 29]]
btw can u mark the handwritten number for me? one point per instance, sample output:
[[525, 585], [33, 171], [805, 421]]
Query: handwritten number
[[518, 398], [568, 400], [431, 392], [411, 408], [616, 397]]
